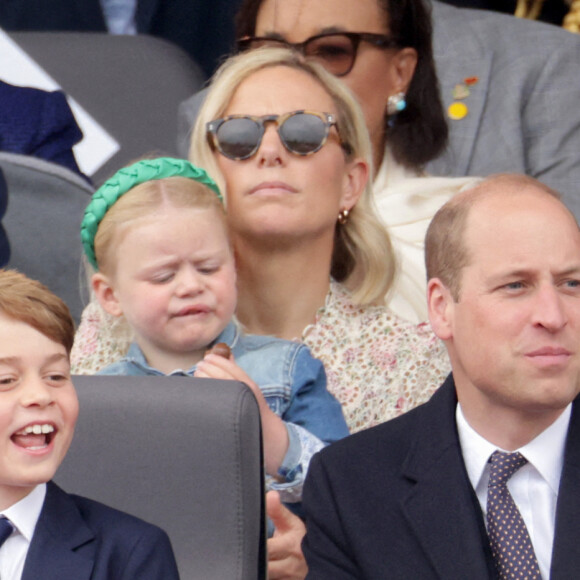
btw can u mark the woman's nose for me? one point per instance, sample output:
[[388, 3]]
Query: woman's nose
[[271, 150]]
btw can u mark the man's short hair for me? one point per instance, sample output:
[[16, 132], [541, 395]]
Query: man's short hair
[[446, 253], [29, 301]]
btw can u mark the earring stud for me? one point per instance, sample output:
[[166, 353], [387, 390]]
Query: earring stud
[[343, 216], [396, 103]]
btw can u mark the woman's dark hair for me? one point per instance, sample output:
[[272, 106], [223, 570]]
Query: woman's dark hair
[[246, 18], [419, 133]]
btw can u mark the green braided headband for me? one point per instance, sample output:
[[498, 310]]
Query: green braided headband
[[124, 180]]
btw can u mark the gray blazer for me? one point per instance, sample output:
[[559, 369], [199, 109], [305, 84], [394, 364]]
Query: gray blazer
[[524, 111]]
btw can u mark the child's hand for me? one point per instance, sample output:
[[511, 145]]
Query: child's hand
[[215, 366], [274, 431]]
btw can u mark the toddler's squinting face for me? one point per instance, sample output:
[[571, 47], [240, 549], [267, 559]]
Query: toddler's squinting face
[[175, 281]]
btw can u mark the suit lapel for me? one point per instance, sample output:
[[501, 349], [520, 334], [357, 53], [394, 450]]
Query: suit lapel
[[442, 507], [566, 551], [59, 532], [459, 57]]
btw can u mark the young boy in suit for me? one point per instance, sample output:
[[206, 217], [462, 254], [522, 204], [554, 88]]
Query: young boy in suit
[[45, 532]]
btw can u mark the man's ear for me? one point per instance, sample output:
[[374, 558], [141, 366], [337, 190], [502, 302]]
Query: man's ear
[[440, 304], [355, 180], [106, 294]]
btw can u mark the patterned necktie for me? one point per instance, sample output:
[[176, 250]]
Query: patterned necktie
[[510, 542], [6, 528]]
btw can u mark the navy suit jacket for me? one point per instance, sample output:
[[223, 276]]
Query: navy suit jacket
[[395, 502], [80, 539], [38, 123]]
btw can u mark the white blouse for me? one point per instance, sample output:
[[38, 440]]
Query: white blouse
[[406, 202]]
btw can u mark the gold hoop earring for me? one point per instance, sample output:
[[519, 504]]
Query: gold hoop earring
[[343, 216]]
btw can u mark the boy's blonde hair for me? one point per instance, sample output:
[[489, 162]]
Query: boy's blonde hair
[[32, 303]]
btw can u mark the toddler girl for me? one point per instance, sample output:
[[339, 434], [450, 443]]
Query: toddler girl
[[156, 235]]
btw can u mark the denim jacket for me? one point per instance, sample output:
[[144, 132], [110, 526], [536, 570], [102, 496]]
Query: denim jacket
[[294, 386]]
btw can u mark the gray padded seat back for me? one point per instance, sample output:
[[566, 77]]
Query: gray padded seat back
[[131, 85], [182, 453], [46, 203]]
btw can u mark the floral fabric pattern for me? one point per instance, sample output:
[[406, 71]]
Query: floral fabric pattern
[[100, 340], [378, 365]]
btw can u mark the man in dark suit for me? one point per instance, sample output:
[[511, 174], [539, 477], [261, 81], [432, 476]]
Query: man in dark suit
[[409, 499], [45, 532], [38, 123]]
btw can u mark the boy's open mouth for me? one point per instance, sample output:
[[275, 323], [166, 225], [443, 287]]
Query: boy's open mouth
[[36, 436]]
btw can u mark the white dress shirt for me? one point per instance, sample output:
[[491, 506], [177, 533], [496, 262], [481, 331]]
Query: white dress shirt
[[534, 487], [23, 515]]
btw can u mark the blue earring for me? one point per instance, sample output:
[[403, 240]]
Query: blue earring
[[396, 103]]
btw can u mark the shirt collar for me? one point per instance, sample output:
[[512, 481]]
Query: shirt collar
[[229, 334], [25, 513], [545, 452]]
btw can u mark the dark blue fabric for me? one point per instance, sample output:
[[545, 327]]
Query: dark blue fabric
[[395, 501], [80, 539], [38, 123], [4, 243]]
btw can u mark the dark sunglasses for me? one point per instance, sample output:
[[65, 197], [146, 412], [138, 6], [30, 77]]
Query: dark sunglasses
[[239, 137], [336, 51]]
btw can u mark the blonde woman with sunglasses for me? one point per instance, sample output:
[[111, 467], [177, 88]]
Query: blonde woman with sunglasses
[[382, 51]]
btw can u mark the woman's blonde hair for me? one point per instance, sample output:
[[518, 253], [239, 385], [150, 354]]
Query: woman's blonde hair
[[363, 257], [142, 201]]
